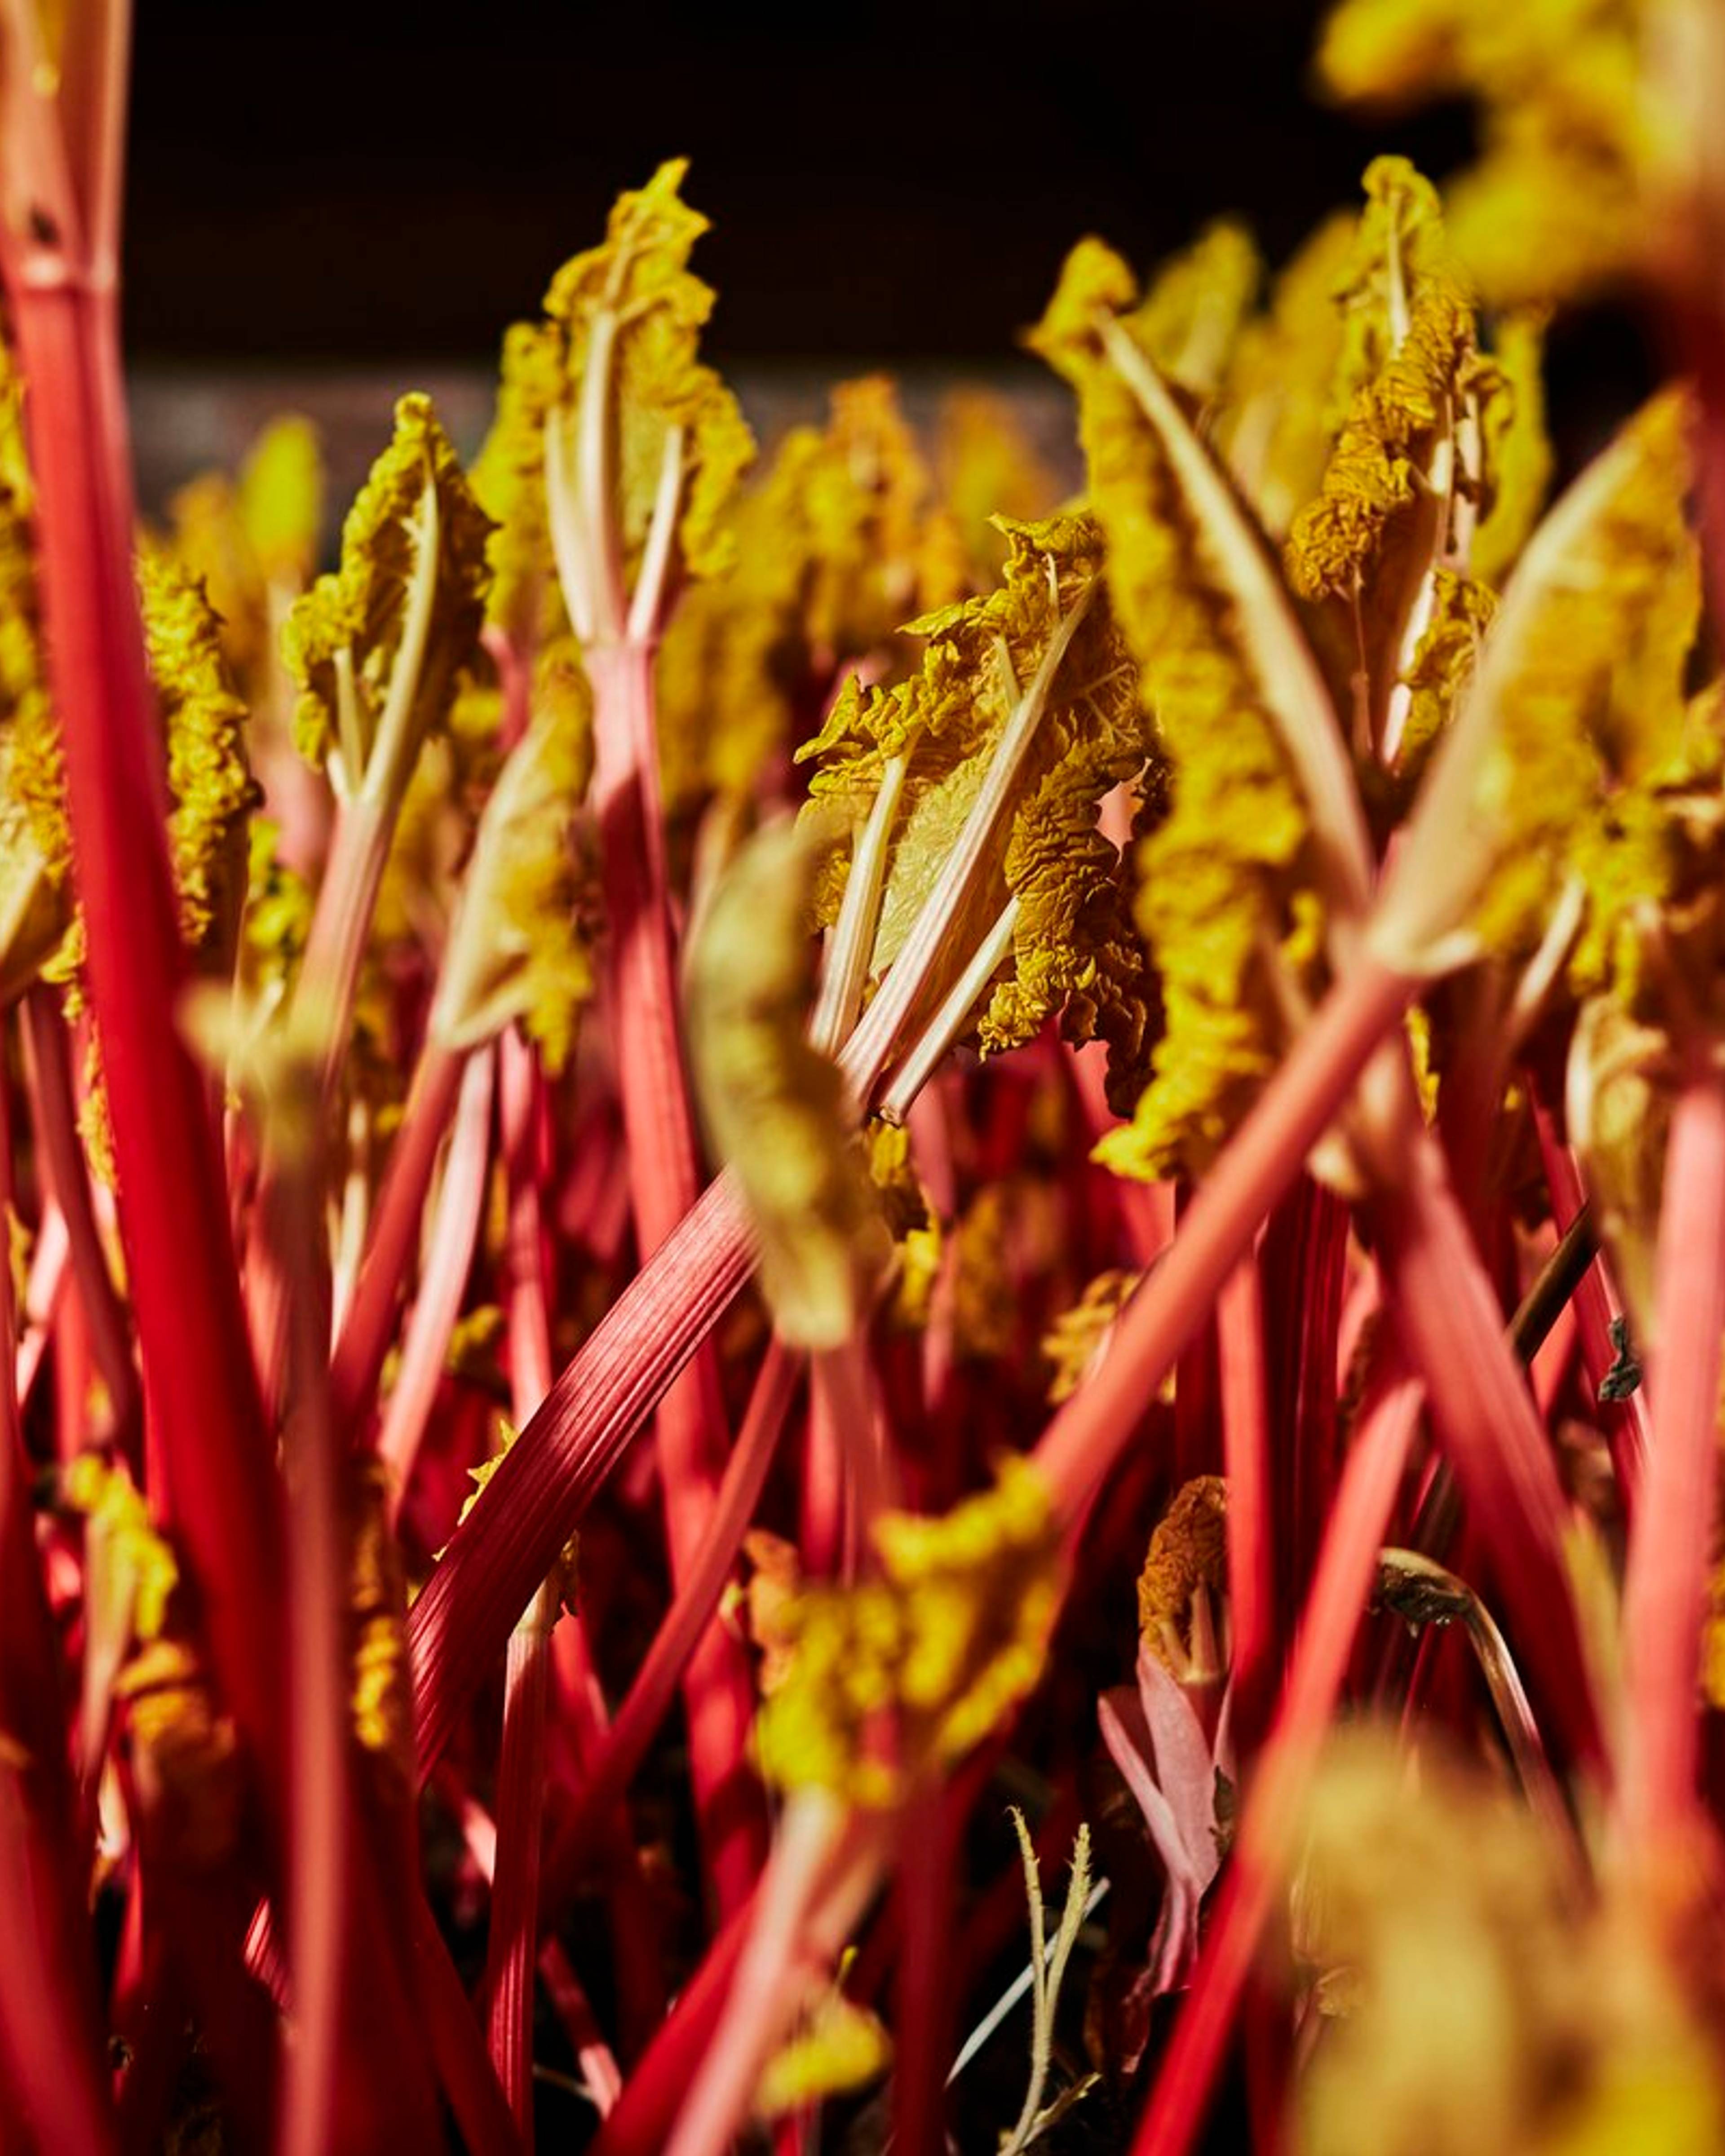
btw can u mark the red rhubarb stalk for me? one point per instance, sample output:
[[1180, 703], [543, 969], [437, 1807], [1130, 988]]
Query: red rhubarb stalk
[[649, 1696], [1598, 1308], [511, 1946], [1085, 1438], [53, 1119], [369, 1325], [534, 1502], [52, 2075], [642, 1002], [1346, 1567], [1245, 1452], [1670, 1550], [444, 1281], [210, 1465], [1445, 1312]]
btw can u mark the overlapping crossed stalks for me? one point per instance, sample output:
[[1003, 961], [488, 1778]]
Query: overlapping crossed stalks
[[1308, 824]]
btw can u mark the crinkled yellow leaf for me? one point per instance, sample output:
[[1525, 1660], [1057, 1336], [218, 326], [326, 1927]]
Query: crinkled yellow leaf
[[1411, 334], [517, 951], [839, 543], [1073, 1342], [509, 484], [1188, 1556], [1276, 425], [1471, 1999], [774, 1106], [137, 1567], [910, 1219], [208, 776], [378, 647], [1575, 757], [1073, 951], [1443, 663], [1576, 136], [1191, 318], [631, 307], [1262, 817], [911, 1666]]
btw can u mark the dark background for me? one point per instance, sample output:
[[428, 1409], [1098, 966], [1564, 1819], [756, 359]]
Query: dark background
[[366, 183]]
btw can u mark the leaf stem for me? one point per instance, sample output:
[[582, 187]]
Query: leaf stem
[[1671, 1547]]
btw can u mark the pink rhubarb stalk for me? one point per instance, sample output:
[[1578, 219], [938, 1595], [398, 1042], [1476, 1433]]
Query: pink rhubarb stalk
[[1670, 1550], [53, 2073], [511, 1948], [1346, 1568], [649, 1696], [369, 1325], [641, 1001], [1085, 1438], [1445, 1310], [455, 1230], [1245, 1452], [210, 1465]]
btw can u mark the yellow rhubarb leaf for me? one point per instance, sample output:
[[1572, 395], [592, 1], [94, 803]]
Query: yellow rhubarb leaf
[[1576, 762], [773, 1104], [35, 840], [208, 775], [378, 647], [1411, 334], [508, 484], [642, 437], [1585, 127], [281, 490], [837, 544], [910, 1668], [1262, 833], [1044, 930], [1191, 318], [1276, 423], [518, 949]]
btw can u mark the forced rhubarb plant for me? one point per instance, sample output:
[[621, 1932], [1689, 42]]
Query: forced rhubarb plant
[[750, 1186]]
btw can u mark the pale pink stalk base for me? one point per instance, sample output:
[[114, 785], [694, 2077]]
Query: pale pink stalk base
[[1670, 1550], [641, 1005], [442, 1285], [533, 1502], [1345, 1567], [370, 1324], [1445, 1312], [1087, 1438], [210, 1465]]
